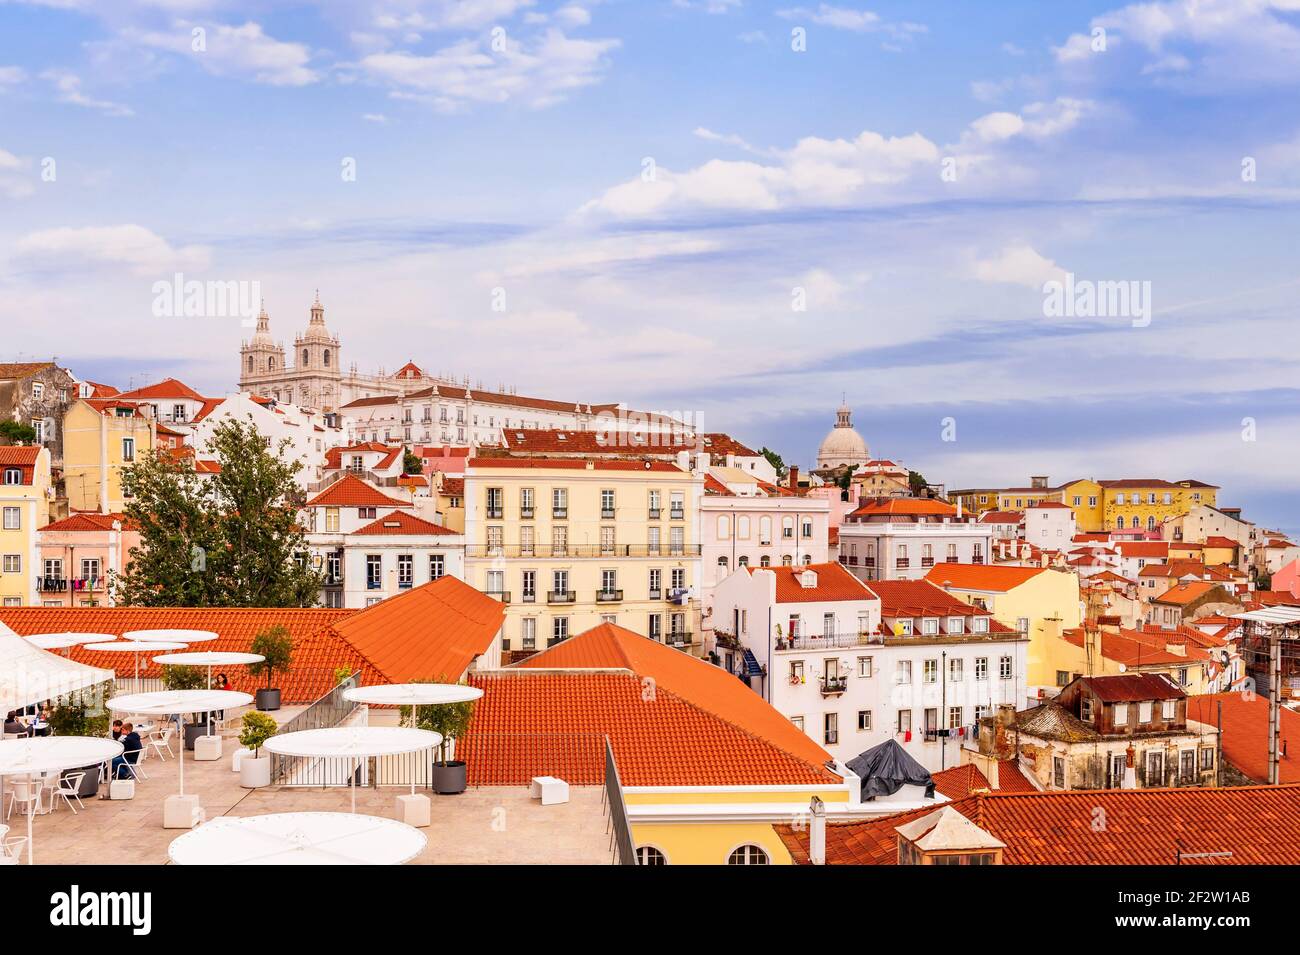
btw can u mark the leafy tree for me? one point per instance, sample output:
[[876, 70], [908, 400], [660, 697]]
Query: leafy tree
[[229, 540], [845, 481], [775, 460], [15, 432], [451, 720], [917, 482], [276, 645], [411, 463]]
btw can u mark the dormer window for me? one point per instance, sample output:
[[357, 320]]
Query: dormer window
[[929, 626], [956, 625], [808, 580]]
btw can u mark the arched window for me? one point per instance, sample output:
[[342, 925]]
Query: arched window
[[326, 358], [787, 561], [765, 530], [1136, 521], [742, 562], [270, 364], [742, 527], [724, 527], [722, 562], [748, 855], [1119, 522], [765, 561], [250, 362], [306, 359], [1151, 523], [649, 855]]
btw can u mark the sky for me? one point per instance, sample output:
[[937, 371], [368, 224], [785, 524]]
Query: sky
[[743, 211]]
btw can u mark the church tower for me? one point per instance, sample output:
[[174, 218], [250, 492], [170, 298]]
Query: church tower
[[261, 360], [316, 362]]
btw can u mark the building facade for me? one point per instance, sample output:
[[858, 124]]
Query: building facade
[[903, 538], [37, 394], [25, 496], [100, 438]]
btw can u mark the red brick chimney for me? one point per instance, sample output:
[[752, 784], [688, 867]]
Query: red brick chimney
[[794, 477]]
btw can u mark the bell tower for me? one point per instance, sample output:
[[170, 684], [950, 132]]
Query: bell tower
[[316, 362], [261, 360]]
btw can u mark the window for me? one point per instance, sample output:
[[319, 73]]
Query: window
[[930, 626], [496, 582], [1120, 714], [831, 728], [495, 538], [405, 570], [676, 541], [496, 502], [607, 539], [128, 449], [904, 722], [1207, 757], [676, 505], [367, 513], [956, 625], [609, 581], [1004, 668], [866, 667], [374, 571], [560, 502], [1144, 712], [956, 670], [1058, 772], [653, 541], [903, 672], [656, 583], [607, 503], [437, 566], [559, 628], [1168, 709], [526, 502], [724, 527], [13, 563], [559, 540], [748, 855], [526, 540], [797, 722], [649, 855], [528, 586], [864, 721], [528, 633], [930, 671], [765, 530], [796, 671], [1187, 765], [1155, 768], [1062, 677], [787, 527], [13, 518], [13, 476], [38, 390], [981, 668], [90, 568], [955, 714]]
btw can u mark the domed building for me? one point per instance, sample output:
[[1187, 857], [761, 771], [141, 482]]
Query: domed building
[[842, 447]]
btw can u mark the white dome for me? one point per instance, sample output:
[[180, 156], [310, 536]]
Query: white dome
[[842, 444]]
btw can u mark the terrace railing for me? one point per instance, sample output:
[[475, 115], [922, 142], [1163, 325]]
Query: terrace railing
[[330, 710], [621, 843]]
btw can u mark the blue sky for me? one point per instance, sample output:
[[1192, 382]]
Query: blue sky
[[501, 144]]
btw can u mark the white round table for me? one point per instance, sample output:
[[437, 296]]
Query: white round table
[[353, 742], [413, 695], [299, 838], [38, 755], [175, 702], [209, 659], [135, 647]]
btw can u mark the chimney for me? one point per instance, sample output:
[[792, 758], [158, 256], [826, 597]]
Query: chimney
[[731, 459], [684, 460], [817, 832], [702, 461], [794, 477], [1006, 714]]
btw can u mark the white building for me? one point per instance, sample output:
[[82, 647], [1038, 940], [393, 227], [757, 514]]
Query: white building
[[1050, 525], [902, 538], [856, 664], [309, 437]]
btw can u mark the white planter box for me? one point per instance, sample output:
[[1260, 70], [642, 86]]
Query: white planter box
[[255, 773]]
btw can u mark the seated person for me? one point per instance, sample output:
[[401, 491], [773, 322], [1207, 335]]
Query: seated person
[[14, 726], [131, 747], [41, 722], [117, 729]]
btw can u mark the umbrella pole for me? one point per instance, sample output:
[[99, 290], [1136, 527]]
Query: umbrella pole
[[352, 785], [31, 811], [180, 755]]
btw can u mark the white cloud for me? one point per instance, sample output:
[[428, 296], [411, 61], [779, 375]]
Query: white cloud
[[1017, 264], [855, 21], [67, 88], [11, 76], [134, 247], [537, 74], [243, 51], [378, 119], [15, 181]]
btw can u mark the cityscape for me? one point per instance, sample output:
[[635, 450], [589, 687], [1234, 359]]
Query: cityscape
[[697, 432]]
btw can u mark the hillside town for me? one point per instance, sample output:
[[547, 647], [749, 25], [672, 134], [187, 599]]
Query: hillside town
[[827, 662]]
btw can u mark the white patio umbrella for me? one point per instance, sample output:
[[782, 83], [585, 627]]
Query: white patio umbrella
[[176, 702], [61, 641], [413, 695], [209, 659], [352, 742], [299, 838], [135, 647], [37, 755], [170, 636]]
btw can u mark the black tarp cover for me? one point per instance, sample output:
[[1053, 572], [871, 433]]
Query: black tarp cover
[[885, 769]]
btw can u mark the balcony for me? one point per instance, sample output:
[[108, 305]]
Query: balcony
[[903, 563], [927, 561], [495, 513], [653, 513], [679, 638], [332, 580], [868, 562], [977, 559], [677, 514], [373, 584], [606, 513], [656, 593], [608, 596], [561, 596], [405, 584], [952, 560], [528, 597], [833, 685], [559, 512], [47, 585], [501, 595], [525, 513], [829, 641]]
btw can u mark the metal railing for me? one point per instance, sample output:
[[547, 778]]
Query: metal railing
[[829, 641], [330, 710], [582, 550], [619, 827]]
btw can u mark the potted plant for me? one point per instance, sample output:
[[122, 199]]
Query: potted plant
[[255, 770], [82, 714], [451, 720], [188, 678], [275, 644]]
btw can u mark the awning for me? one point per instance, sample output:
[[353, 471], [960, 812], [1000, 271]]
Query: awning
[[30, 675]]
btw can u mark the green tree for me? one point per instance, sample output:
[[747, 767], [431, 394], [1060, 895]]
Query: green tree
[[917, 482], [775, 460], [275, 644], [845, 481], [411, 463], [232, 539], [15, 432]]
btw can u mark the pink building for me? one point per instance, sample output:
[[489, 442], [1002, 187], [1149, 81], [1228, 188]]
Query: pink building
[[77, 555], [1287, 579]]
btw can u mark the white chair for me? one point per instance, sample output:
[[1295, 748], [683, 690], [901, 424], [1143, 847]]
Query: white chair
[[11, 850], [27, 792], [162, 742], [69, 789], [551, 790]]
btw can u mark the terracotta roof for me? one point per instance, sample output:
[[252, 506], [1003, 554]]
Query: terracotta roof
[[23, 457], [167, 388], [959, 781], [1245, 732], [574, 464], [713, 486], [1012, 779], [1186, 592], [610, 442], [709, 688], [1257, 824], [1132, 687], [98, 390], [982, 576], [405, 524], [88, 521], [334, 456], [905, 507], [1045, 504], [1133, 650], [834, 583], [1216, 540], [453, 487], [915, 598], [21, 369], [1144, 549], [351, 491], [1001, 517]]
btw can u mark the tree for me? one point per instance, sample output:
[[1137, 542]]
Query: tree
[[229, 540], [15, 432], [775, 460], [917, 482], [450, 720], [411, 463], [275, 644], [845, 481]]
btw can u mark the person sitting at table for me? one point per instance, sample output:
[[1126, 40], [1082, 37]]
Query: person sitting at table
[[117, 729], [14, 727], [40, 725], [131, 747]]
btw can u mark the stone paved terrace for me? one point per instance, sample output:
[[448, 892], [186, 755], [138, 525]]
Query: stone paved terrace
[[490, 825]]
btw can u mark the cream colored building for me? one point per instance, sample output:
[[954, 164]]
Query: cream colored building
[[100, 438], [569, 544], [25, 495]]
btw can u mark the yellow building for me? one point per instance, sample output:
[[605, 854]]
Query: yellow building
[[25, 496], [1038, 601], [1132, 503], [981, 499], [450, 495], [569, 543], [100, 438]]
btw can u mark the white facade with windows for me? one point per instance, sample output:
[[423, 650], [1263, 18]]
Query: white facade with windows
[[906, 551]]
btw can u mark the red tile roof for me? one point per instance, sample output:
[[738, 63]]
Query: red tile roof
[[351, 491], [453, 487], [87, 521], [915, 598], [834, 583], [22, 457], [611, 442], [334, 456], [959, 781], [1186, 592], [1012, 779], [1127, 648], [1158, 549], [698, 684], [1259, 825], [905, 507], [982, 576], [1218, 541], [574, 464], [1245, 732], [404, 524], [22, 369], [167, 388]]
